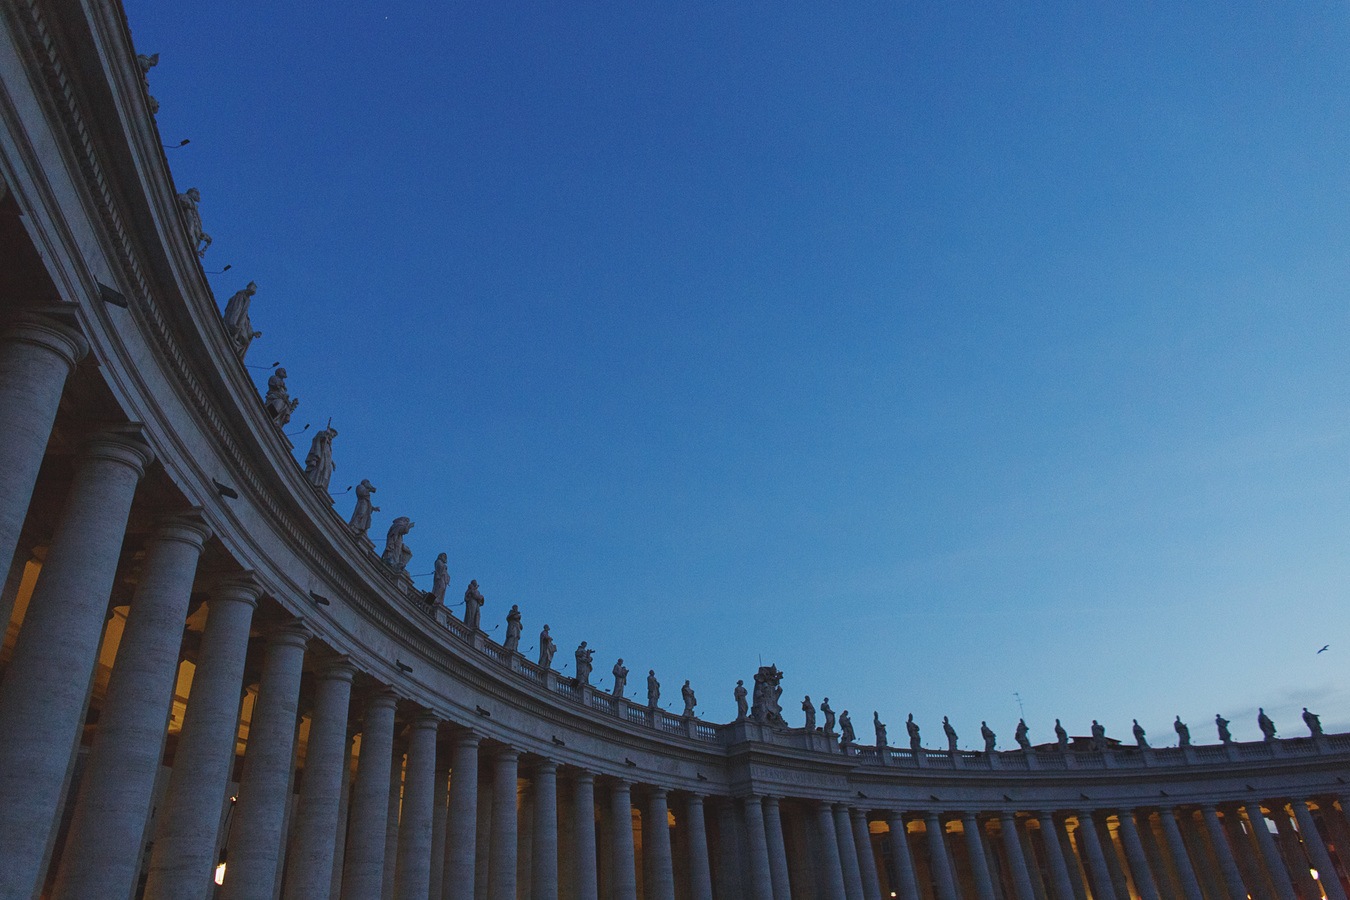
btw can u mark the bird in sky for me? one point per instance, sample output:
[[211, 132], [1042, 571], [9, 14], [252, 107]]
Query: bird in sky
[[1324, 649]]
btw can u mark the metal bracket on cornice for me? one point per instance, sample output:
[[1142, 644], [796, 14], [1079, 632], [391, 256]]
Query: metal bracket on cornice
[[485, 713], [402, 666], [935, 798], [321, 600], [225, 490], [701, 776], [629, 762], [559, 741], [861, 795], [1084, 797], [1007, 799], [112, 297], [1250, 788], [1164, 793]]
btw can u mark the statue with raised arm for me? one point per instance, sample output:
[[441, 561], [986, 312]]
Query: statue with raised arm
[[828, 714], [880, 729], [360, 520], [1225, 736], [620, 672], [690, 701], [278, 402], [846, 735], [1021, 735], [988, 734], [440, 579], [1061, 737], [1267, 727], [546, 649], [319, 465], [810, 709], [1183, 733], [192, 220], [473, 606], [913, 728], [396, 553], [653, 689], [1098, 735], [950, 732], [1139, 737], [1313, 721], [513, 629], [238, 326], [742, 708]]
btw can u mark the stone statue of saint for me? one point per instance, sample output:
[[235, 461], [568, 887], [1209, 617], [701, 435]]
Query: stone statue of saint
[[440, 579], [846, 735], [146, 63], [828, 714], [238, 327], [1061, 737], [1139, 737], [950, 732], [742, 708], [1021, 735], [880, 729], [278, 402], [765, 705], [810, 709], [690, 701], [1183, 733], [396, 553], [513, 629], [546, 649], [473, 606], [1313, 721], [319, 465], [360, 520], [913, 728], [620, 677], [585, 658], [1225, 736], [192, 220], [1267, 727], [1098, 735], [988, 734], [653, 689]]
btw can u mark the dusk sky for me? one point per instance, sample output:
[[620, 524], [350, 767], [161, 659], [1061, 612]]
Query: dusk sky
[[940, 354]]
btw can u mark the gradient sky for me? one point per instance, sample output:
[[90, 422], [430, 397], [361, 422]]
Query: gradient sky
[[936, 353]]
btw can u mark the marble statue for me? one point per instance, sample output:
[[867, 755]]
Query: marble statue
[[765, 706], [988, 734], [146, 63], [846, 735], [1098, 735], [546, 649], [690, 701], [473, 606], [828, 714], [741, 706], [1021, 735], [278, 402], [1313, 721], [319, 465], [238, 326], [1225, 736], [359, 523], [913, 728], [653, 689], [1061, 737], [620, 678], [880, 730], [192, 218], [1183, 733], [1139, 737], [440, 579], [950, 732], [513, 630], [810, 709], [1267, 727], [585, 659], [396, 553]]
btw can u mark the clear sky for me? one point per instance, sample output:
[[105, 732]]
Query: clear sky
[[934, 352]]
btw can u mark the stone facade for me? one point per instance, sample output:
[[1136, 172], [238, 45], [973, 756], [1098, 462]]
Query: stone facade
[[170, 558]]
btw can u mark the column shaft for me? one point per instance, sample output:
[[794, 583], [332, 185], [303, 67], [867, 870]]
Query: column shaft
[[1279, 875], [1054, 854], [907, 887], [700, 872], [502, 852], [984, 885], [413, 878], [344, 809], [43, 694], [1017, 861], [848, 853], [867, 861], [583, 803], [830, 870], [461, 831], [391, 820], [439, 814], [103, 846], [778, 864], [1134, 851], [942, 864], [761, 877], [657, 837], [625, 867], [363, 860], [1317, 849], [1223, 851], [1181, 860], [544, 848]]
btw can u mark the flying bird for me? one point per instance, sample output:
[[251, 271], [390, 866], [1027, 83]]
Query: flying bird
[[1324, 649]]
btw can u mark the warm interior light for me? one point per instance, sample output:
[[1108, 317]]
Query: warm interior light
[[220, 874], [1313, 873]]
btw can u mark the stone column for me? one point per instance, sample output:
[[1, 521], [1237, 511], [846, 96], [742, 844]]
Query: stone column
[[255, 843], [906, 886], [867, 861], [773, 834], [1017, 861], [1317, 849], [1054, 855], [1092, 846], [184, 855], [391, 820], [1134, 851], [1181, 860], [363, 860], [625, 867], [344, 807], [43, 694], [461, 830], [830, 871], [103, 845], [413, 878], [1223, 852], [848, 853], [942, 864], [1279, 875], [761, 877], [662, 886], [984, 885], [439, 813], [544, 846], [502, 852], [309, 862], [700, 873], [37, 354]]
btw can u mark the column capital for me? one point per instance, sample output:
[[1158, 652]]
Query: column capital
[[242, 588], [187, 527], [291, 634], [657, 791], [339, 668], [546, 765], [507, 753], [379, 697], [60, 337], [467, 737], [426, 719], [125, 444]]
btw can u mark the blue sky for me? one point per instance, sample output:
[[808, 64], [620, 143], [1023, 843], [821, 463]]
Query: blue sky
[[931, 353]]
